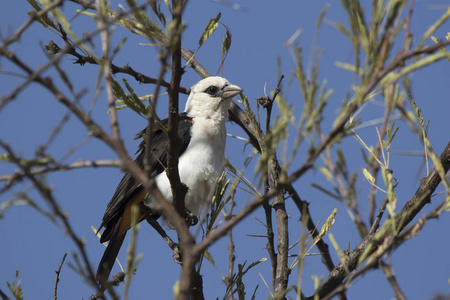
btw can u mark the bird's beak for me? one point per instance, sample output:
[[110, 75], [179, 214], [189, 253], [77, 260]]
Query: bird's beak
[[230, 91]]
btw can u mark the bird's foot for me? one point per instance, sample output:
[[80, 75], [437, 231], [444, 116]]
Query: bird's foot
[[191, 219]]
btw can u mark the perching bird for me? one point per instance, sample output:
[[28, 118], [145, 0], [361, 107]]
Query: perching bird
[[202, 133]]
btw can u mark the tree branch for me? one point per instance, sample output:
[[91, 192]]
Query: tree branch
[[55, 290], [369, 244], [33, 17], [19, 175], [179, 190], [46, 193], [390, 276]]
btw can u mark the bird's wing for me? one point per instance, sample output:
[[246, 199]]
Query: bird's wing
[[130, 190]]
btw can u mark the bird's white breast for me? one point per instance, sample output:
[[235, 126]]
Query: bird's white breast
[[200, 165]]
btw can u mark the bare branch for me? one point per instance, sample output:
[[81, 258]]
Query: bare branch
[[33, 17], [139, 77], [390, 276], [371, 241], [46, 193], [19, 175], [55, 292]]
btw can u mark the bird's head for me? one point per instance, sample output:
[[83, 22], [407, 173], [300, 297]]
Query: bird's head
[[211, 97]]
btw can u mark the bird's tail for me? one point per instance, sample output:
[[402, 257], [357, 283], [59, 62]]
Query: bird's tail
[[108, 258]]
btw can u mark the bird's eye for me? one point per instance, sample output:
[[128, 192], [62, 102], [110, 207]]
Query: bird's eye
[[212, 90]]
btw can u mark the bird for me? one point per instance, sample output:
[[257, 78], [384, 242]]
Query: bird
[[202, 133]]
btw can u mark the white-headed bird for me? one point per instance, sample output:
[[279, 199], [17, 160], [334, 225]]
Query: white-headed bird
[[202, 134]]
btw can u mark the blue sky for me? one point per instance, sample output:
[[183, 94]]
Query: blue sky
[[35, 246]]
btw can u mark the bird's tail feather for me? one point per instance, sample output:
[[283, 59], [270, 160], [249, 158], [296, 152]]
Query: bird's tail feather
[[108, 259]]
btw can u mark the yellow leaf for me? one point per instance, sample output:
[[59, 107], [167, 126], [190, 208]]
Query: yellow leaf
[[368, 176], [209, 29], [326, 227]]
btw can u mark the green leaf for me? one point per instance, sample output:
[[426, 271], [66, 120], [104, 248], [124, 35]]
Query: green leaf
[[327, 192], [145, 26], [325, 172], [156, 7], [252, 118], [226, 43], [336, 247], [236, 279], [434, 27], [86, 13], [416, 110], [45, 20], [347, 67], [209, 29], [438, 166], [209, 257], [443, 49], [284, 107], [426, 61], [428, 149], [130, 100], [15, 288], [326, 227], [345, 31], [368, 176], [391, 132]]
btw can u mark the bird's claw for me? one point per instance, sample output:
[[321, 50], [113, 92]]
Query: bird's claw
[[191, 219]]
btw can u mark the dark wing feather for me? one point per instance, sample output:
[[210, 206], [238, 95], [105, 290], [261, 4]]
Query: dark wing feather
[[129, 186], [108, 259]]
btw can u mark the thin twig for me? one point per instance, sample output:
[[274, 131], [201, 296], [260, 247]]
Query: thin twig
[[280, 275], [353, 106], [76, 165], [376, 222], [55, 293], [390, 276], [372, 240], [127, 69], [46, 193], [231, 255], [33, 17]]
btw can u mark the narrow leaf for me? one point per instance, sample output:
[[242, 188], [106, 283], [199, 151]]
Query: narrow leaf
[[209, 29], [368, 176], [326, 227]]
